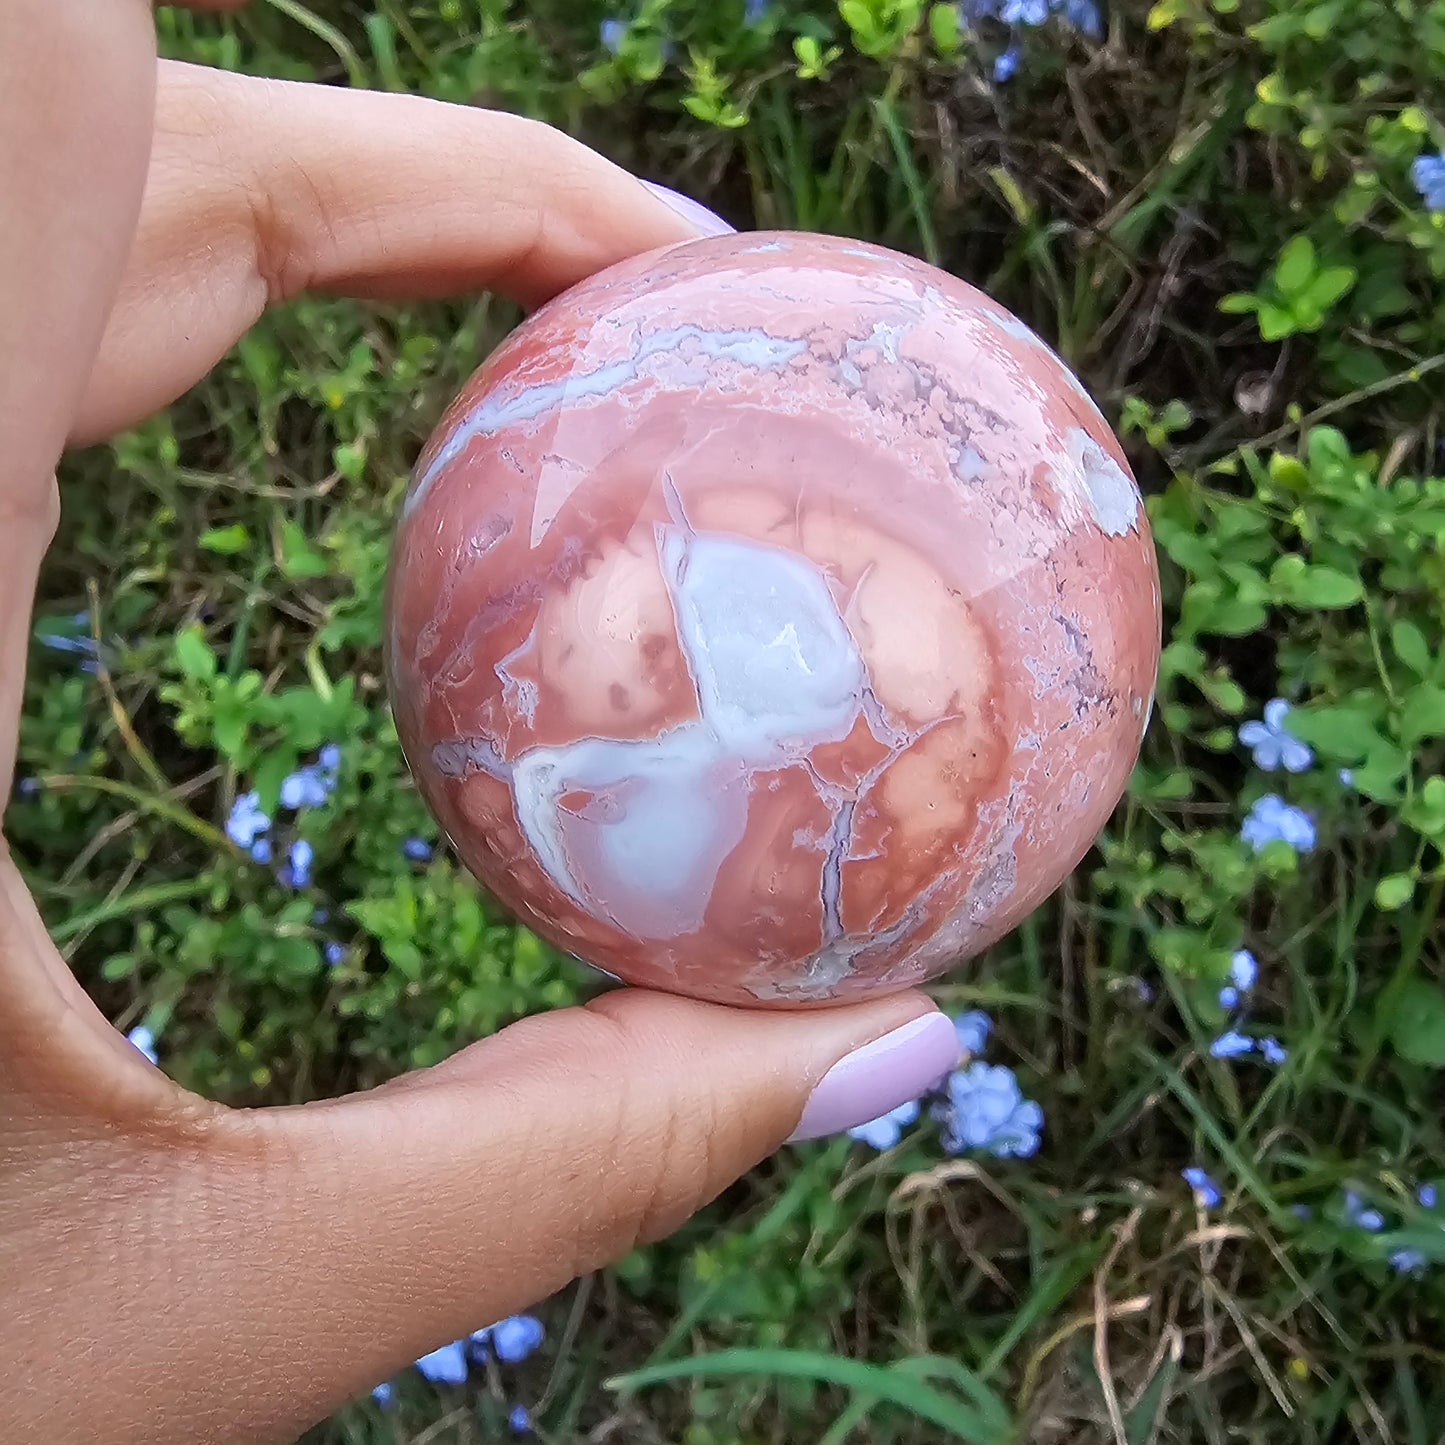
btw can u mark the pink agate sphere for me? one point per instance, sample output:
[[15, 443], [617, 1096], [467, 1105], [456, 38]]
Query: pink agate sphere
[[772, 619]]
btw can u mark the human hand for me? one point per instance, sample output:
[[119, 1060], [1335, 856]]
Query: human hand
[[178, 1271]]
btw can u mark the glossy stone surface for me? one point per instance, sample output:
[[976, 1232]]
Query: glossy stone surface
[[773, 620]]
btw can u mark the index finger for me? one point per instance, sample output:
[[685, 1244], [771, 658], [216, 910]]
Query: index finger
[[260, 189]]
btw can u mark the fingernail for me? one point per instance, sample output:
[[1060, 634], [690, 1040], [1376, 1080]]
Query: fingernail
[[691, 211], [879, 1076]]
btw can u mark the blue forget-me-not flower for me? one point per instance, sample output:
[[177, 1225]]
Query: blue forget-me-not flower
[[246, 822], [887, 1129], [1271, 742], [1243, 970], [512, 1339], [334, 953], [382, 1393], [1361, 1215], [1408, 1261], [1231, 1045], [1007, 64], [446, 1365], [1426, 1196], [296, 872], [611, 34], [310, 786], [417, 849], [1271, 819], [985, 1109], [973, 1029], [519, 1420], [1206, 1191], [1428, 173]]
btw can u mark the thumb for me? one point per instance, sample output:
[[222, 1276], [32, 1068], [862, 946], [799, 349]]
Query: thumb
[[362, 1233]]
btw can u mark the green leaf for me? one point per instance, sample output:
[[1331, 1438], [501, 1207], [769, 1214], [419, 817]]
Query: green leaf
[[1239, 303], [983, 1421], [1411, 648], [1296, 265], [1423, 715], [1343, 731], [945, 27], [1327, 287], [1275, 323], [1394, 891], [228, 541], [1317, 585], [193, 656], [1417, 1023], [299, 559]]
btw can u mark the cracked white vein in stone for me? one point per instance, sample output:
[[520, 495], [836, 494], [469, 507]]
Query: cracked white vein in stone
[[773, 662], [637, 830], [753, 348]]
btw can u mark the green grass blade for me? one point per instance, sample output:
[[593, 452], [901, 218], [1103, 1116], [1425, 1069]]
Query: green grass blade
[[887, 1384]]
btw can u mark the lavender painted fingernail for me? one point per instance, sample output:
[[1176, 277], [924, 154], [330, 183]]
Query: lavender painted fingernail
[[691, 211], [880, 1076]]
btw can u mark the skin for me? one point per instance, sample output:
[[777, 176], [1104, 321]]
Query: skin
[[178, 1271]]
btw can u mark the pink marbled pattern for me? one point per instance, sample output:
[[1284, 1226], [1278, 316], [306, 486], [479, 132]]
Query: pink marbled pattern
[[773, 619]]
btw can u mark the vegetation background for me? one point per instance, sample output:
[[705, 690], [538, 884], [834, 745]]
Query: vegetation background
[[1228, 217]]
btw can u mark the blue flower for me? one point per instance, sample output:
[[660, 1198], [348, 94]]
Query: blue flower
[[144, 1040], [986, 1110], [321, 916], [1084, 16], [754, 10], [382, 1393], [1024, 12], [887, 1129], [519, 1420], [1271, 742], [515, 1337], [297, 871], [334, 953], [1408, 1261], [1243, 970], [417, 849], [1231, 1045], [1425, 1196], [612, 34], [261, 850], [973, 1029], [1273, 1051], [329, 758], [27, 787], [1007, 64], [1273, 820], [246, 821], [305, 788], [1347, 778], [1206, 1191], [446, 1365], [1428, 173], [1360, 1215]]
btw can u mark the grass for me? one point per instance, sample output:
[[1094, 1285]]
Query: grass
[[1113, 195]]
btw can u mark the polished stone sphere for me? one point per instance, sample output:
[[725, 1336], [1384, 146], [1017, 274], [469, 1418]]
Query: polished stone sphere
[[772, 619]]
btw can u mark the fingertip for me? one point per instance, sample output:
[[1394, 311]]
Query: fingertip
[[706, 222], [892, 1069]]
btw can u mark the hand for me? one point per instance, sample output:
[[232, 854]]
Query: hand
[[174, 1270]]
